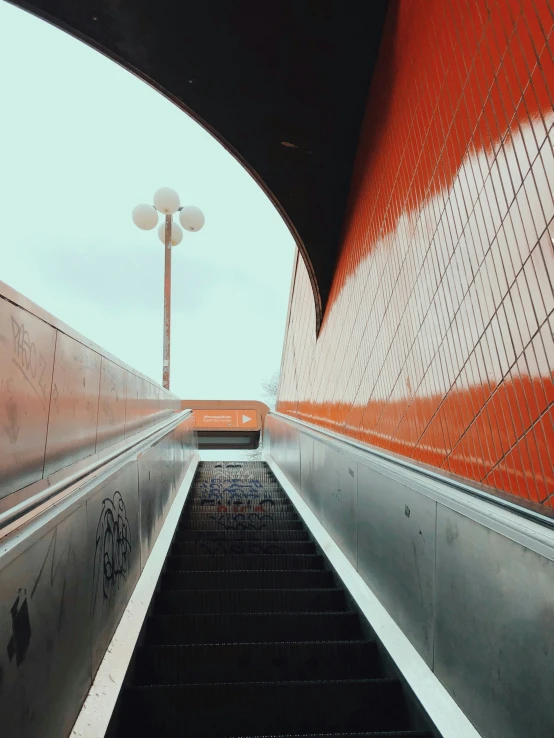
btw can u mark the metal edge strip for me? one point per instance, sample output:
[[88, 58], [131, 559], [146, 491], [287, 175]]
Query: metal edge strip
[[516, 520], [48, 514], [443, 711], [97, 709], [16, 298]]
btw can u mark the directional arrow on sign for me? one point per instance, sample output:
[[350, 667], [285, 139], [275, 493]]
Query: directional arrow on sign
[[245, 418]]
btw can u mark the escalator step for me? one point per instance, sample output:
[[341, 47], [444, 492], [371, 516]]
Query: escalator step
[[319, 579], [257, 662], [221, 548], [373, 734], [254, 517], [255, 709], [249, 600], [245, 561], [239, 507], [252, 628], [299, 534], [244, 521]]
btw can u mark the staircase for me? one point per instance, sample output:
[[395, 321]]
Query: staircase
[[250, 633]]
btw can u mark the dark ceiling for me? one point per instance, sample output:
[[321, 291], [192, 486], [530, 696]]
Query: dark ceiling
[[283, 85]]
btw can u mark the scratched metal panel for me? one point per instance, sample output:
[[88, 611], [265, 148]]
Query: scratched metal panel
[[45, 626], [276, 434], [396, 552], [74, 405], [131, 404], [308, 482], [293, 456], [149, 483], [144, 403], [494, 640], [111, 408], [26, 364], [337, 491], [113, 554]]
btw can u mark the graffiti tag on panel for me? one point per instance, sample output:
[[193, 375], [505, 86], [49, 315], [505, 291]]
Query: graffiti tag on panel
[[112, 555]]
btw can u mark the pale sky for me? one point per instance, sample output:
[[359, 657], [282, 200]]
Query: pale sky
[[82, 141]]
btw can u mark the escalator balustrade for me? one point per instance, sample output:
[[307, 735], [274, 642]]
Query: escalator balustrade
[[250, 632]]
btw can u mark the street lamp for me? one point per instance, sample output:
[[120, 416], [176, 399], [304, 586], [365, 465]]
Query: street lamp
[[166, 201]]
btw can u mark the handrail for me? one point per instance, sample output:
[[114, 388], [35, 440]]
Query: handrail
[[106, 461], [522, 508]]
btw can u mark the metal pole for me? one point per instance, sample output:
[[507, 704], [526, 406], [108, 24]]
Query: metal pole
[[167, 300]]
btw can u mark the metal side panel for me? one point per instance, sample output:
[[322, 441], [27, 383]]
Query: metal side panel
[[336, 488], [113, 553], [292, 456], [26, 365], [276, 435], [396, 553], [74, 405], [111, 407], [132, 424], [308, 489], [494, 640], [45, 627], [149, 483], [156, 474]]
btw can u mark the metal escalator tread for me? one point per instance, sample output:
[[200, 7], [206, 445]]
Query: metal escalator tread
[[380, 734], [241, 627], [224, 521], [299, 534], [244, 579], [217, 548], [249, 562], [264, 662], [250, 633], [249, 600], [247, 708]]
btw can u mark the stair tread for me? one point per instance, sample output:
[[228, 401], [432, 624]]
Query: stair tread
[[232, 649], [254, 708]]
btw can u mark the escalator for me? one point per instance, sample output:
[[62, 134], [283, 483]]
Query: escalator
[[250, 632]]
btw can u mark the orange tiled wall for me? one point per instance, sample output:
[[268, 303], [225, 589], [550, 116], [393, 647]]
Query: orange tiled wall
[[438, 338]]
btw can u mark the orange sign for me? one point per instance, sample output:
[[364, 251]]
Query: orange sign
[[226, 419]]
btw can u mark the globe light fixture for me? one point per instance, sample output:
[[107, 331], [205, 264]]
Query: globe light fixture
[[192, 218], [145, 217]]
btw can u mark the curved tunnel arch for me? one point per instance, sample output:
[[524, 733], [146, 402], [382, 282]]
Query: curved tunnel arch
[[282, 88]]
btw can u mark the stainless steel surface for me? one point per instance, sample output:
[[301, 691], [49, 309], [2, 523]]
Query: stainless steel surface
[[111, 407], [45, 626], [74, 404], [132, 417], [26, 365], [396, 553], [469, 580], [338, 489], [46, 494], [167, 301], [494, 641], [50, 384], [16, 298], [417, 470], [64, 581]]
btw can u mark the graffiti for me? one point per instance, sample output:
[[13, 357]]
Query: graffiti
[[30, 362], [243, 521], [112, 556], [21, 630], [12, 426], [238, 505]]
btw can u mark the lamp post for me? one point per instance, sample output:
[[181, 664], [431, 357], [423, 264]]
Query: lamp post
[[166, 202]]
